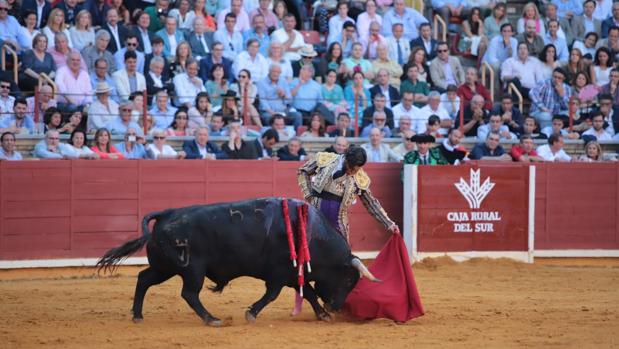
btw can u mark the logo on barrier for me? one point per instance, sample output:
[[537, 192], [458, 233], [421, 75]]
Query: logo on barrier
[[473, 192]]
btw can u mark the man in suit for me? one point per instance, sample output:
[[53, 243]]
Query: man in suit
[[440, 77], [117, 31], [200, 42], [145, 37], [586, 23], [171, 37], [392, 95], [41, 7], [612, 21], [264, 145], [201, 148], [379, 103], [377, 151], [129, 80], [215, 57], [565, 28], [425, 41]]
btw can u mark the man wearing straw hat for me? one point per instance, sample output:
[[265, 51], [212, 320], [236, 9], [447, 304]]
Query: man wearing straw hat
[[103, 109]]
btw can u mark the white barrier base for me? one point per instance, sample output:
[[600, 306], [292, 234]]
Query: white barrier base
[[58, 263], [91, 262], [577, 253], [520, 256]]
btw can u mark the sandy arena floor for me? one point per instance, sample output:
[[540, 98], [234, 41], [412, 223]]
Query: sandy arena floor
[[479, 303]]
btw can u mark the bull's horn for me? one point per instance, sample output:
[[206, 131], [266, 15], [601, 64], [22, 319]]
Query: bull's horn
[[356, 262]]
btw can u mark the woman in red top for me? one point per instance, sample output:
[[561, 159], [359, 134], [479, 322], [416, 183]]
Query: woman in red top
[[102, 146]]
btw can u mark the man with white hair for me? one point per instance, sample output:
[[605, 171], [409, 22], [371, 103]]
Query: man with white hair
[[407, 144], [434, 107], [51, 148], [73, 83], [46, 100], [377, 151], [171, 37], [99, 50], [379, 121], [199, 40], [201, 148]]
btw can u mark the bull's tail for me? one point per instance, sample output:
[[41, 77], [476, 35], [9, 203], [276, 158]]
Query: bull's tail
[[113, 257]]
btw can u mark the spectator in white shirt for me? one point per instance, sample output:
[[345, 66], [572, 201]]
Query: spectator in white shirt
[[450, 101], [399, 47], [231, 39], [597, 130], [435, 107], [251, 60], [522, 71], [291, 40], [188, 84], [159, 150], [367, 17], [553, 151], [406, 107], [336, 23], [242, 19]]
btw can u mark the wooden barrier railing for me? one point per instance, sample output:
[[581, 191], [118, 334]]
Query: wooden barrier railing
[[511, 88], [439, 20], [3, 52], [485, 66], [45, 79]]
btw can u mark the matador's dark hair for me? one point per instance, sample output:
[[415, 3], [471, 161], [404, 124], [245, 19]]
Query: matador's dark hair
[[355, 156]]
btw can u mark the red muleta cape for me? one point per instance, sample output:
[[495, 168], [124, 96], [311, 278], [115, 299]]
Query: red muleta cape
[[396, 296]]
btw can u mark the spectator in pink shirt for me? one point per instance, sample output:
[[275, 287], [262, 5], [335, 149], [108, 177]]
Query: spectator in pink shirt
[[61, 49], [74, 88]]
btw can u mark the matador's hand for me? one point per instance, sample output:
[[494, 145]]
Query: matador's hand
[[394, 229]]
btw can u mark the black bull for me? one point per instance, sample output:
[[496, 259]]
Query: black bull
[[246, 238]]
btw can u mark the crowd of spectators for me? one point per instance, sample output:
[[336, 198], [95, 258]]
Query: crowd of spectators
[[242, 68]]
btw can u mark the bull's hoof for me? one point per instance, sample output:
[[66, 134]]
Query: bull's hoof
[[328, 307], [249, 317], [324, 317], [138, 320], [213, 322]]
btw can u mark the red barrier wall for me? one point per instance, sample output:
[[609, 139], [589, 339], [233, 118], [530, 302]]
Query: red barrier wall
[[577, 206], [79, 208], [76, 209]]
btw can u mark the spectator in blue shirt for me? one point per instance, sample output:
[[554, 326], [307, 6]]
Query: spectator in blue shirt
[[275, 97], [7, 148], [122, 123], [410, 19], [162, 112], [260, 33], [448, 8], [19, 122], [306, 93], [132, 147], [51, 148]]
